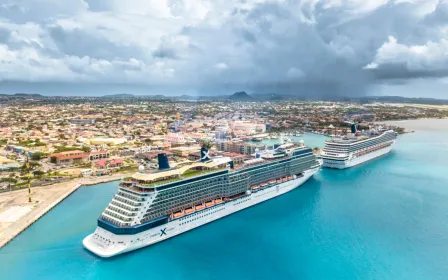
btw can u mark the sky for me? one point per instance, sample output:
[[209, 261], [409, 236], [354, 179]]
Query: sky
[[214, 47]]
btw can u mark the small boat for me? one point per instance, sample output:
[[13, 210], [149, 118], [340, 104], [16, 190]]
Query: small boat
[[279, 180], [178, 214], [209, 203], [272, 182], [217, 201], [189, 210], [263, 185], [199, 207], [255, 187]]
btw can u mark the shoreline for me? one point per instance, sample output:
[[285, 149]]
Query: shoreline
[[420, 124], [44, 199]]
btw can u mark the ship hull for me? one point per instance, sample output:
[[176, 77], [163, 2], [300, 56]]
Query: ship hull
[[106, 244], [347, 163]]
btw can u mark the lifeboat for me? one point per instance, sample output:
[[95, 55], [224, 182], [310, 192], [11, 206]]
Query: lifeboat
[[189, 210], [178, 214], [199, 207], [263, 185], [272, 182], [289, 177], [217, 201], [209, 203], [255, 187], [279, 180]]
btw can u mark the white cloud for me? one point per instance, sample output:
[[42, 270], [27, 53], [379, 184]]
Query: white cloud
[[431, 56], [221, 66]]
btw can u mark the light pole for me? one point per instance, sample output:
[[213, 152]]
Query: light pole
[[29, 178]]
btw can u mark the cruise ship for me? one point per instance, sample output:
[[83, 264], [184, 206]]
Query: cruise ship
[[354, 149], [150, 207]]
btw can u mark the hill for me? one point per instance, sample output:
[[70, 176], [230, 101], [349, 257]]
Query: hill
[[241, 96]]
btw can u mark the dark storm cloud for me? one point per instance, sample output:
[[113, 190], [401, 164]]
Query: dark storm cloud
[[402, 71], [165, 53], [306, 47]]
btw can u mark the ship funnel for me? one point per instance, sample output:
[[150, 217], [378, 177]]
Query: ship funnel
[[204, 154], [163, 161]]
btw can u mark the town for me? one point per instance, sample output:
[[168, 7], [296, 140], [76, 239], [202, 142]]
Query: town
[[47, 141]]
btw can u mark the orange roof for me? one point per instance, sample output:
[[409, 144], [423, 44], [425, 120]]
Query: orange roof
[[70, 155]]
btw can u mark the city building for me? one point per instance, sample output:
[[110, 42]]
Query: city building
[[71, 157], [99, 154], [238, 147]]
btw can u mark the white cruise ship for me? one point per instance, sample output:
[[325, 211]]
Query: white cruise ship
[[151, 207], [348, 151]]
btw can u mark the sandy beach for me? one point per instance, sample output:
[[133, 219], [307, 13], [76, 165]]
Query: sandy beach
[[17, 214]]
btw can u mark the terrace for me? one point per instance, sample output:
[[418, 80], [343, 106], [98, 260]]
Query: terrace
[[170, 178]]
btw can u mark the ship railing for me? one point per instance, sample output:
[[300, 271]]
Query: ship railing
[[127, 200], [136, 189], [124, 205], [116, 217], [134, 197], [122, 210]]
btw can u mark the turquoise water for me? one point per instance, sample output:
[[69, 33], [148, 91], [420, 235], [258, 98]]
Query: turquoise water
[[386, 219]]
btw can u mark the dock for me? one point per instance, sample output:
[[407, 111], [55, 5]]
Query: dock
[[17, 214]]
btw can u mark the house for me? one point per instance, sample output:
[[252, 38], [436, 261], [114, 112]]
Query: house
[[98, 155], [86, 172], [71, 157], [116, 163], [108, 163]]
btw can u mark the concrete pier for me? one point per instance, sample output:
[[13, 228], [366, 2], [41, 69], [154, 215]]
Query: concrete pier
[[17, 214]]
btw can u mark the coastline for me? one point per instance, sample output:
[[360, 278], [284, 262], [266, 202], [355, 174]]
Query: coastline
[[17, 214], [420, 124]]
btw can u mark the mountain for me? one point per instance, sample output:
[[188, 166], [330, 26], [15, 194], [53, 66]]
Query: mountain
[[27, 95], [241, 96]]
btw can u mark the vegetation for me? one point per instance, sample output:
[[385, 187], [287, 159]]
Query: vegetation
[[60, 149], [38, 156]]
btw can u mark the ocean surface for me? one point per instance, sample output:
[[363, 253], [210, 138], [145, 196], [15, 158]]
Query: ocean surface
[[385, 219]]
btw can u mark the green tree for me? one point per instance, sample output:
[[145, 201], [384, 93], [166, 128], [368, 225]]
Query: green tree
[[86, 149], [38, 173], [38, 156]]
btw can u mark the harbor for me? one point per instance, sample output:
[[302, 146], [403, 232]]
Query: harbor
[[17, 214], [381, 206]]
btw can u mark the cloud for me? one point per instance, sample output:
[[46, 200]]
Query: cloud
[[394, 60], [296, 47]]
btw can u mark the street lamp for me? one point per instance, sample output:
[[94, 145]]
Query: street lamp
[[29, 178]]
